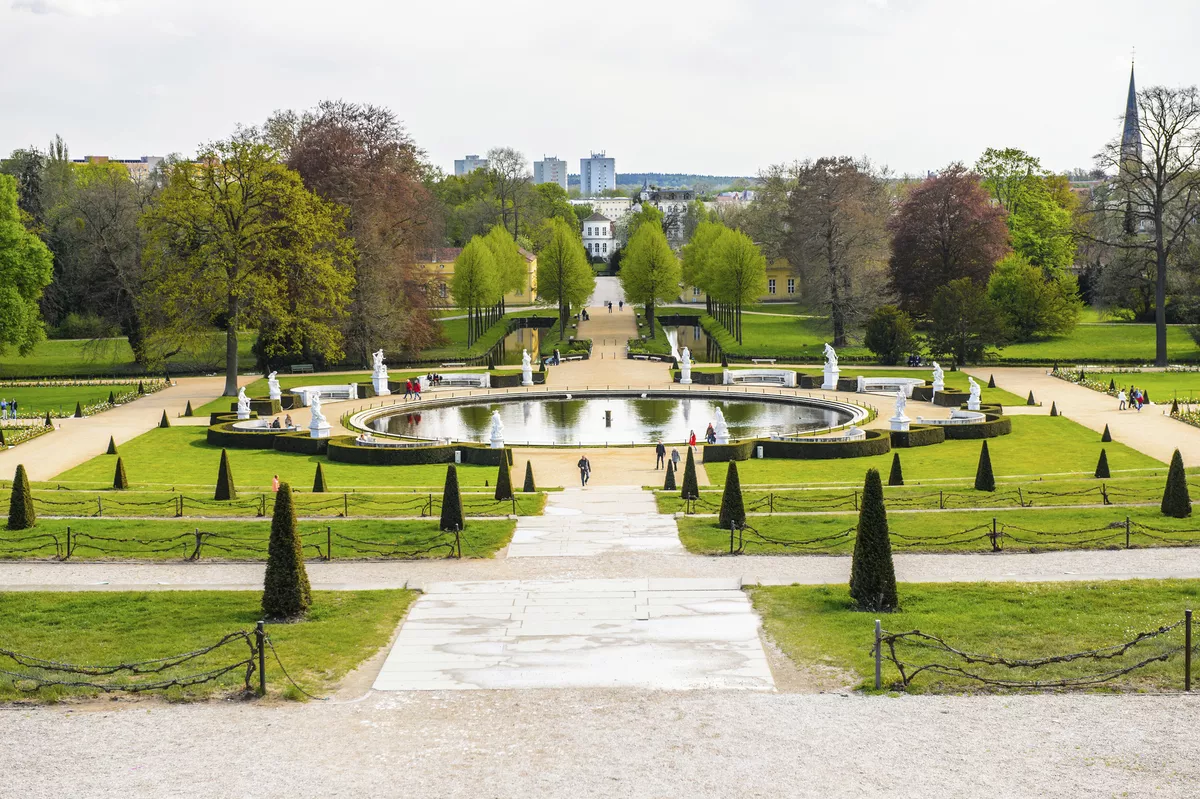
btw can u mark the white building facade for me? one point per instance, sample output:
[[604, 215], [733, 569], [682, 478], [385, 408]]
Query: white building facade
[[597, 174], [599, 237], [467, 165], [614, 208], [550, 170]]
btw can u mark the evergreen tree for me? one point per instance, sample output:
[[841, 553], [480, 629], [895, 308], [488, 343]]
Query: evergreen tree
[[112, 446], [141, 388], [991, 381], [691, 487], [120, 481], [504, 490], [112, 398], [188, 410], [1175, 501], [1102, 465], [164, 422], [452, 511], [1107, 436], [319, 486], [1112, 384], [669, 482], [1030, 400], [984, 480], [1053, 409], [872, 573], [48, 422], [733, 510], [1174, 407], [286, 591], [529, 487], [225, 487], [21, 515], [78, 410], [896, 478]]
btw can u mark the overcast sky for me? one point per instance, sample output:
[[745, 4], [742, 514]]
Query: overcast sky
[[700, 86]]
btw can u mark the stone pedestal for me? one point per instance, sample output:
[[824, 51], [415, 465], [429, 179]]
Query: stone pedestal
[[831, 378], [900, 423], [243, 413], [497, 442], [527, 374], [319, 429], [685, 373], [972, 404], [380, 383], [938, 385]]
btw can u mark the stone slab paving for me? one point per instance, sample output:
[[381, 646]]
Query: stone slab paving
[[634, 633], [595, 520]]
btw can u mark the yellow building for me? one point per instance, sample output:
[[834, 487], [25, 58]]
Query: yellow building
[[782, 286], [439, 266]]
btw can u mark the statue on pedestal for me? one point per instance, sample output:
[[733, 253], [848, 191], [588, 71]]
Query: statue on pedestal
[[973, 401], [379, 376], [318, 427], [685, 367], [497, 431], [720, 427], [526, 368], [243, 404], [939, 378], [273, 386], [900, 421], [831, 369], [380, 370]]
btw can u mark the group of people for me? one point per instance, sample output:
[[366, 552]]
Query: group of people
[[8, 409], [660, 456], [914, 360], [412, 388], [608, 304], [1134, 400], [287, 423]]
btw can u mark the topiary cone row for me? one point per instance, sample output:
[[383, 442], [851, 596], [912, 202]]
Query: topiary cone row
[[1053, 409], [1175, 501], [164, 422], [529, 487], [691, 487], [120, 481], [872, 573], [669, 481], [1106, 436], [984, 480], [1102, 465], [21, 515], [225, 488], [112, 446], [452, 511], [286, 590], [319, 486], [896, 477], [733, 510], [1030, 400], [504, 491]]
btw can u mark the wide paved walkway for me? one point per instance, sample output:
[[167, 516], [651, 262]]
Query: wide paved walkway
[[582, 522]]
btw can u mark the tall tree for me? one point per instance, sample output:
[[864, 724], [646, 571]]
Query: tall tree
[[25, 270], [1039, 206], [512, 269], [510, 179], [837, 238], [1032, 303], [965, 321], [237, 238], [946, 228], [475, 284], [563, 274], [1156, 164], [650, 271], [737, 274]]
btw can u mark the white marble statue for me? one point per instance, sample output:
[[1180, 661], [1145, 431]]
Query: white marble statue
[[900, 421], [526, 368], [243, 404], [380, 369], [939, 378], [497, 431], [901, 402], [273, 386], [831, 360], [314, 407], [973, 401], [379, 376], [720, 427], [685, 367], [831, 370]]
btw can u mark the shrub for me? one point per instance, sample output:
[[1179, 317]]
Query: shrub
[[112, 446], [319, 486], [164, 422], [991, 381], [1106, 436], [452, 511], [691, 488], [733, 510], [1174, 407], [984, 480], [188, 410], [1030, 400], [49, 423], [1033, 304], [504, 489], [669, 481], [1102, 465], [141, 388], [529, 486], [112, 399], [1054, 409], [78, 410], [889, 334], [896, 477], [872, 573], [120, 481], [286, 591], [225, 488], [1175, 501], [21, 515]]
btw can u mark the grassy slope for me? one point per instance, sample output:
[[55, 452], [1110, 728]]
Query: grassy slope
[[815, 625], [343, 629], [1119, 341], [80, 357], [1162, 386], [59, 398]]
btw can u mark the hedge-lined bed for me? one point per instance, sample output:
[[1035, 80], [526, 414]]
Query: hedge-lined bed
[[343, 449], [877, 442], [993, 427], [918, 435]]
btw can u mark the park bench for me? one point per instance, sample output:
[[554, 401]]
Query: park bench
[[957, 417], [453, 364], [302, 368], [889, 384], [467, 379], [762, 360], [776, 377], [640, 357], [344, 392]]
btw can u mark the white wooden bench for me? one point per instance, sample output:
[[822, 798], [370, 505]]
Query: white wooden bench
[[464, 379], [762, 360], [957, 416], [348, 391], [850, 434], [889, 384], [302, 368], [776, 377], [453, 364], [640, 357]]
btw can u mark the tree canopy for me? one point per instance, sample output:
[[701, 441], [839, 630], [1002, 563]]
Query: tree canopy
[[26, 267], [650, 272], [563, 275]]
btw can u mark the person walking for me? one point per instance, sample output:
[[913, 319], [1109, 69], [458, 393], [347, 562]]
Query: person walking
[[275, 484], [622, 305], [1121, 399], [660, 456], [1141, 399], [585, 470], [3, 409], [675, 458], [692, 439]]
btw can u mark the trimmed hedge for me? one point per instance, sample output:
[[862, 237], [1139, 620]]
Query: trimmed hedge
[[700, 378], [918, 435], [342, 449], [951, 399], [994, 427], [216, 417], [877, 442], [512, 381], [300, 442], [733, 451], [223, 435]]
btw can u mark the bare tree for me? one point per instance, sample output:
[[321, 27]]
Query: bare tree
[[1156, 188], [510, 179]]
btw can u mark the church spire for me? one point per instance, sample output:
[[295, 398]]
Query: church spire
[[1131, 136]]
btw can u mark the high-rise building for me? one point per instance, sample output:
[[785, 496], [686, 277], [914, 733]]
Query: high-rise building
[[597, 174], [550, 170], [464, 166], [138, 168]]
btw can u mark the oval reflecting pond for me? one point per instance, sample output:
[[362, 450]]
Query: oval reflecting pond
[[584, 421]]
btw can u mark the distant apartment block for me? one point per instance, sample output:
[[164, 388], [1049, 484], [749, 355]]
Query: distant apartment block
[[597, 174], [138, 168], [550, 170], [467, 165], [612, 207]]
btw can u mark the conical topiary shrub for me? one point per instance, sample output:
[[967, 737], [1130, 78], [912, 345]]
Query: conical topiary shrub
[[669, 480], [120, 481], [188, 410], [1175, 501], [1174, 407], [504, 489], [872, 573], [78, 410], [164, 421], [2, 437], [286, 591], [896, 477], [21, 515], [452, 511], [1030, 400], [1146, 396], [49, 423], [319, 486], [1106, 436], [1053, 409], [225, 488], [112, 398], [529, 486], [724, 361], [733, 510], [1112, 384], [1102, 465], [112, 446], [141, 387], [991, 381], [691, 487], [984, 480]]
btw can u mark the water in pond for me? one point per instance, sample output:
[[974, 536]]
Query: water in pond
[[583, 420], [509, 351]]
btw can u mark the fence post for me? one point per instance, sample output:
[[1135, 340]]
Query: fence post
[[1187, 650], [514, 505], [345, 505], [260, 637], [941, 500], [856, 499], [1127, 532], [328, 543], [1104, 494], [68, 544], [771, 500], [179, 504], [994, 547], [878, 656], [1020, 497], [196, 554], [458, 541], [732, 530], [99, 507]]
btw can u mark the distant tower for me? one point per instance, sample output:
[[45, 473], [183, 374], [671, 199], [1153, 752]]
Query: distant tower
[[1131, 148]]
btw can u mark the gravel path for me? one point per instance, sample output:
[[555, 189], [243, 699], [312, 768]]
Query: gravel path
[[768, 570], [611, 743]]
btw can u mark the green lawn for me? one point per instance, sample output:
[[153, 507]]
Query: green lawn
[[37, 400], [796, 338], [180, 457], [815, 626], [109, 357], [343, 629], [955, 381], [174, 539], [789, 308], [1105, 343], [1162, 386], [1038, 445], [1026, 530]]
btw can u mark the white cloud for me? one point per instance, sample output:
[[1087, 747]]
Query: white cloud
[[68, 8]]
